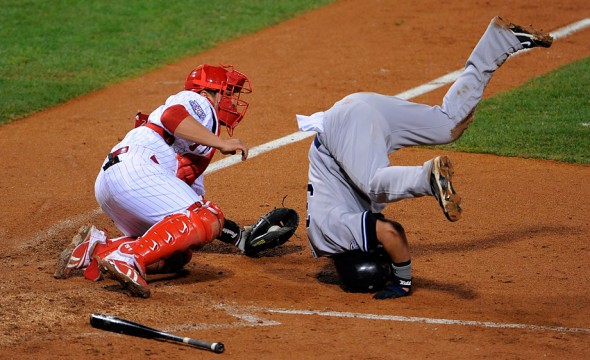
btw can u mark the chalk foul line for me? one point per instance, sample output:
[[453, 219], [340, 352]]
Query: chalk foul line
[[245, 313], [406, 95], [247, 317]]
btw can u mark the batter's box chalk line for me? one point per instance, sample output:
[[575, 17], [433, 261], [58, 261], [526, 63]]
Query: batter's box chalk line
[[247, 314]]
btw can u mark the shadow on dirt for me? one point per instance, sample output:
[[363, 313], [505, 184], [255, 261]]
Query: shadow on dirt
[[514, 235], [218, 247], [328, 275]]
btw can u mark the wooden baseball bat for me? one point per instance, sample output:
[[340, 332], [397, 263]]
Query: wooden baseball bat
[[122, 326]]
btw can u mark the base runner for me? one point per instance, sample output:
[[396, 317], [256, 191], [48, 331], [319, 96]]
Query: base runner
[[351, 179]]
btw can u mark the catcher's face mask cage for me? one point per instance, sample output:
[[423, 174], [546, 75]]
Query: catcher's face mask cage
[[230, 84]]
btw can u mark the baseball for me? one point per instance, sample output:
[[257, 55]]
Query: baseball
[[274, 228]]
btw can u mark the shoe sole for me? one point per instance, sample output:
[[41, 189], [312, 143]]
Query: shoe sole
[[537, 37], [442, 188], [134, 288], [61, 270]]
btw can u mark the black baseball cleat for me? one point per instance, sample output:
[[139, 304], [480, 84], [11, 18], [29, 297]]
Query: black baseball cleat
[[528, 36], [442, 187]]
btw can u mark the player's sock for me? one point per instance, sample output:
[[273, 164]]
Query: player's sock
[[401, 282]]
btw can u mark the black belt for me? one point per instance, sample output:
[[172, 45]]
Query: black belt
[[317, 142], [113, 157]]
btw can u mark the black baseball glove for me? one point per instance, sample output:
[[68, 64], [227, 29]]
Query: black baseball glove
[[271, 230]]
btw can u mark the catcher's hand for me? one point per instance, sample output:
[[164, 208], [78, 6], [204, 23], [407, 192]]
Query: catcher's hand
[[271, 230]]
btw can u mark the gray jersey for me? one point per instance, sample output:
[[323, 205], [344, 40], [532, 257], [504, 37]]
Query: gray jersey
[[350, 175]]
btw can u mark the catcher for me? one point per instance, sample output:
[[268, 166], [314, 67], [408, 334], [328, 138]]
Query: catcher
[[151, 186]]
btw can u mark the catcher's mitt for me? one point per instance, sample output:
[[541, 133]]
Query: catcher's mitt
[[271, 230]]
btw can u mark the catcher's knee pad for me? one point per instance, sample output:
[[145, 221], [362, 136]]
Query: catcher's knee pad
[[360, 271], [191, 229], [209, 216]]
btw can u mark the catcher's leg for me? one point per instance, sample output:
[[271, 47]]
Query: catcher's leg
[[173, 264], [78, 255], [176, 233]]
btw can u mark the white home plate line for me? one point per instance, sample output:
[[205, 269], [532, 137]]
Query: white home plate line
[[486, 324], [247, 318], [298, 136]]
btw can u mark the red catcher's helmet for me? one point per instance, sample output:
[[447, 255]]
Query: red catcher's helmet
[[230, 83]]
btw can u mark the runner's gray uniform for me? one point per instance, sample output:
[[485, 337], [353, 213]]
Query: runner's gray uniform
[[350, 177]]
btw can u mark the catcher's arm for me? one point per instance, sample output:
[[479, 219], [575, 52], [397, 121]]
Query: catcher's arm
[[192, 130]]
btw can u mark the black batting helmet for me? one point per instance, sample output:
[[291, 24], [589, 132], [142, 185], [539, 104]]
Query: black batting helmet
[[360, 271]]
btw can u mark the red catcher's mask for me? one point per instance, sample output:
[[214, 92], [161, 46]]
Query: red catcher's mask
[[230, 84]]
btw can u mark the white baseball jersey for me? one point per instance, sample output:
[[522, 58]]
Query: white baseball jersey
[[350, 176], [139, 187]]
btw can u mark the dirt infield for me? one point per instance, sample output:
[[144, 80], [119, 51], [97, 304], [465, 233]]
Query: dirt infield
[[510, 280]]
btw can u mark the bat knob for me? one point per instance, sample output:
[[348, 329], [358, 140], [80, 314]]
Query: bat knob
[[218, 348]]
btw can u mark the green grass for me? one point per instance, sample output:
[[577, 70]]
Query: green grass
[[547, 118], [54, 50]]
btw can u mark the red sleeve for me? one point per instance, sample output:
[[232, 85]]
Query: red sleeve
[[173, 116]]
